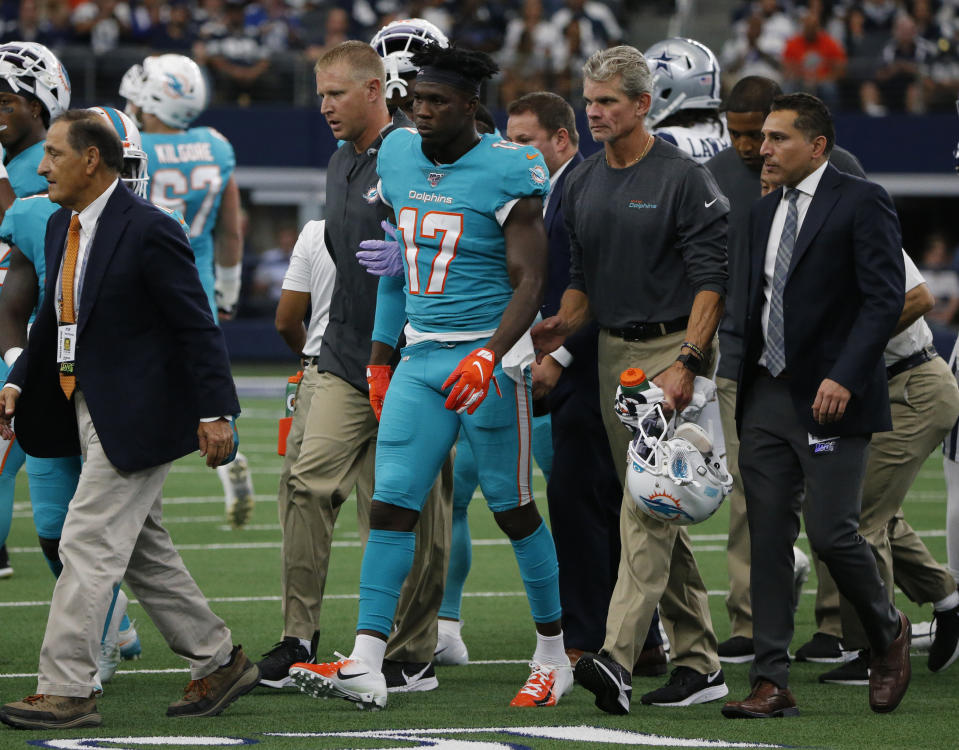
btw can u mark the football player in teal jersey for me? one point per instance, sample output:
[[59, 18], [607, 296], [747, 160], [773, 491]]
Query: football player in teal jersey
[[33, 88], [473, 248], [191, 171]]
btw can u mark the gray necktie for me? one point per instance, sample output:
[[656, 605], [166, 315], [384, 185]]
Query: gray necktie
[[775, 341]]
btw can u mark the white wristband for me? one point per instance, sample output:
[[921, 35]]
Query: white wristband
[[10, 356], [227, 285]]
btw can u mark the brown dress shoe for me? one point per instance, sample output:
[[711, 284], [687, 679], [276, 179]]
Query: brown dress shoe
[[766, 701], [890, 672], [651, 663], [574, 654], [51, 712], [209, 695]]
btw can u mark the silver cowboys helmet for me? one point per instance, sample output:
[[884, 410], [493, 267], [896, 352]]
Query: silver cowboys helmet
[[30, 69], [134, 157], [396, 42], [685, 76], [675, 479]]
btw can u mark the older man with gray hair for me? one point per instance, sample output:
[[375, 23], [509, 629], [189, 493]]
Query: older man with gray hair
[[647, 228]]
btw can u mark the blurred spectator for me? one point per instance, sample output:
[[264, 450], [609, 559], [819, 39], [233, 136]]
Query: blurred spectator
[[280, 29], [271, 268], [480, 25], [176, 33], [778, 26], [896, 85], [598, 27], [533, 51], [434, 11], [814, 60], [926, 23], [336, 29], [942, 279], [746, 54], [145, 16], [236, 55], [879, 15], [941, 78], [102, 24], [54, 29]]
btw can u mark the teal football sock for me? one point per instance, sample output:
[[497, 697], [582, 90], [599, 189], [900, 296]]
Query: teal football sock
[[386, 563], [536, 556], [461, 559]]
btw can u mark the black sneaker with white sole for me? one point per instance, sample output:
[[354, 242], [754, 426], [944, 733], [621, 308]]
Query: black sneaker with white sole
[[275, 664], [824, 649], [608, 680], [855, 672], [409, 677], [945, 643], [687, 687], [736, 650]]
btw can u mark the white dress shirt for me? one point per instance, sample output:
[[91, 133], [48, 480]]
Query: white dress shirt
[[807, 189], [918, 335], [312, 270]]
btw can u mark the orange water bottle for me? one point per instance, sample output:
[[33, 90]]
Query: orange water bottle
[[633, 381]]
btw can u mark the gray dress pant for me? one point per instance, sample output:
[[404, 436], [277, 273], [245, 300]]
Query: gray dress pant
[[777, 463]]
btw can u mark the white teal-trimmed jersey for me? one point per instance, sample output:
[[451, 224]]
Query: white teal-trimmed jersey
[[701, 141], [450, 218], [22, 171], [188, 173]]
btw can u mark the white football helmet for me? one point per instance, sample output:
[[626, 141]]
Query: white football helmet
[[685, 76], [675, 479], [396, 42], [131, 89], [134, 157], [172, 88], [29, 68]]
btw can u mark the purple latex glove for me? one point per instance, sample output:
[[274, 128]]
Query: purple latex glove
[[382, 257]]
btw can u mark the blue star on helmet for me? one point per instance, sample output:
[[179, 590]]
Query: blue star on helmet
[[662, 63]]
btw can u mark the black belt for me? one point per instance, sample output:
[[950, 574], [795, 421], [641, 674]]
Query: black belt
[[913, 360], [307, 361], [646, 331]]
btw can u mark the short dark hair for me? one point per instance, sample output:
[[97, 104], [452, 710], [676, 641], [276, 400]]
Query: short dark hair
[[812, 116], [552, 111], [752, 94], [86, 129]]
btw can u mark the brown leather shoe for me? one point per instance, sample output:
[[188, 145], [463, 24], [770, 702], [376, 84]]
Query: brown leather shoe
[[889, 673], [209, 695], [651, 663], [766, 701], [51, 712], [574, 654]]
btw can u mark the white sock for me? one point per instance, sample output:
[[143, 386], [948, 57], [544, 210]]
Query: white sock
[[550, 651], [307, 644], [449, 628], [950, 602], [370, 650]]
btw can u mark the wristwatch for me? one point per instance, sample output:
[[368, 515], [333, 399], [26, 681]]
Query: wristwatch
[[692, 363]]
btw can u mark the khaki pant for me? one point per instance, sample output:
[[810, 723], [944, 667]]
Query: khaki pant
[[331, 449], [925, 404], [737, 546], [113, 530], [656, 566]]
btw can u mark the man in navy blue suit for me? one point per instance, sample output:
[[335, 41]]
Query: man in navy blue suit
[[825, 292], [125, 364], [583, 491]]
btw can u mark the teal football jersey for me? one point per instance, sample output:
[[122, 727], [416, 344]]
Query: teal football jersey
[[22, 171], [25, 225], [188, 173], [451, 220]]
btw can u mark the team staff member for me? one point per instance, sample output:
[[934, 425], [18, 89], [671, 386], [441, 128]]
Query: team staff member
[[812, 389], [736, 171], [658, 301], [126, 273], [339, 440]]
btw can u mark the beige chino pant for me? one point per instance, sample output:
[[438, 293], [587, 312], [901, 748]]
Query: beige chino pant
[[331, 449], [113, 531], [656, 566]]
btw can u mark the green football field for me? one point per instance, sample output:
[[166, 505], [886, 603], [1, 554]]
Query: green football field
[[240, 573]]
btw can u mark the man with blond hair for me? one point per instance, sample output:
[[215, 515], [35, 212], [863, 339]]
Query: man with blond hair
[[657, 304], [339, 441]]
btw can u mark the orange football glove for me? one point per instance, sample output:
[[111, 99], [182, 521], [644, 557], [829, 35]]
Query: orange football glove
[[378, 378], [472, 377]]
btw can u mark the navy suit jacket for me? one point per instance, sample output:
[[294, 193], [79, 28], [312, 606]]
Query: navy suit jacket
[[844, 294], [150, 360]]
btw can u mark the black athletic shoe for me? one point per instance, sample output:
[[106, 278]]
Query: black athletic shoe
[[824, 649], [6, 570], [945, 645], [855, 672], [275, 664], [608, 680], [686, 687], [736, 650], [409, 677]]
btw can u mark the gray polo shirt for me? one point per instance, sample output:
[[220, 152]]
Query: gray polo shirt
[[353, 213], [645, 239], [741, 185]]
